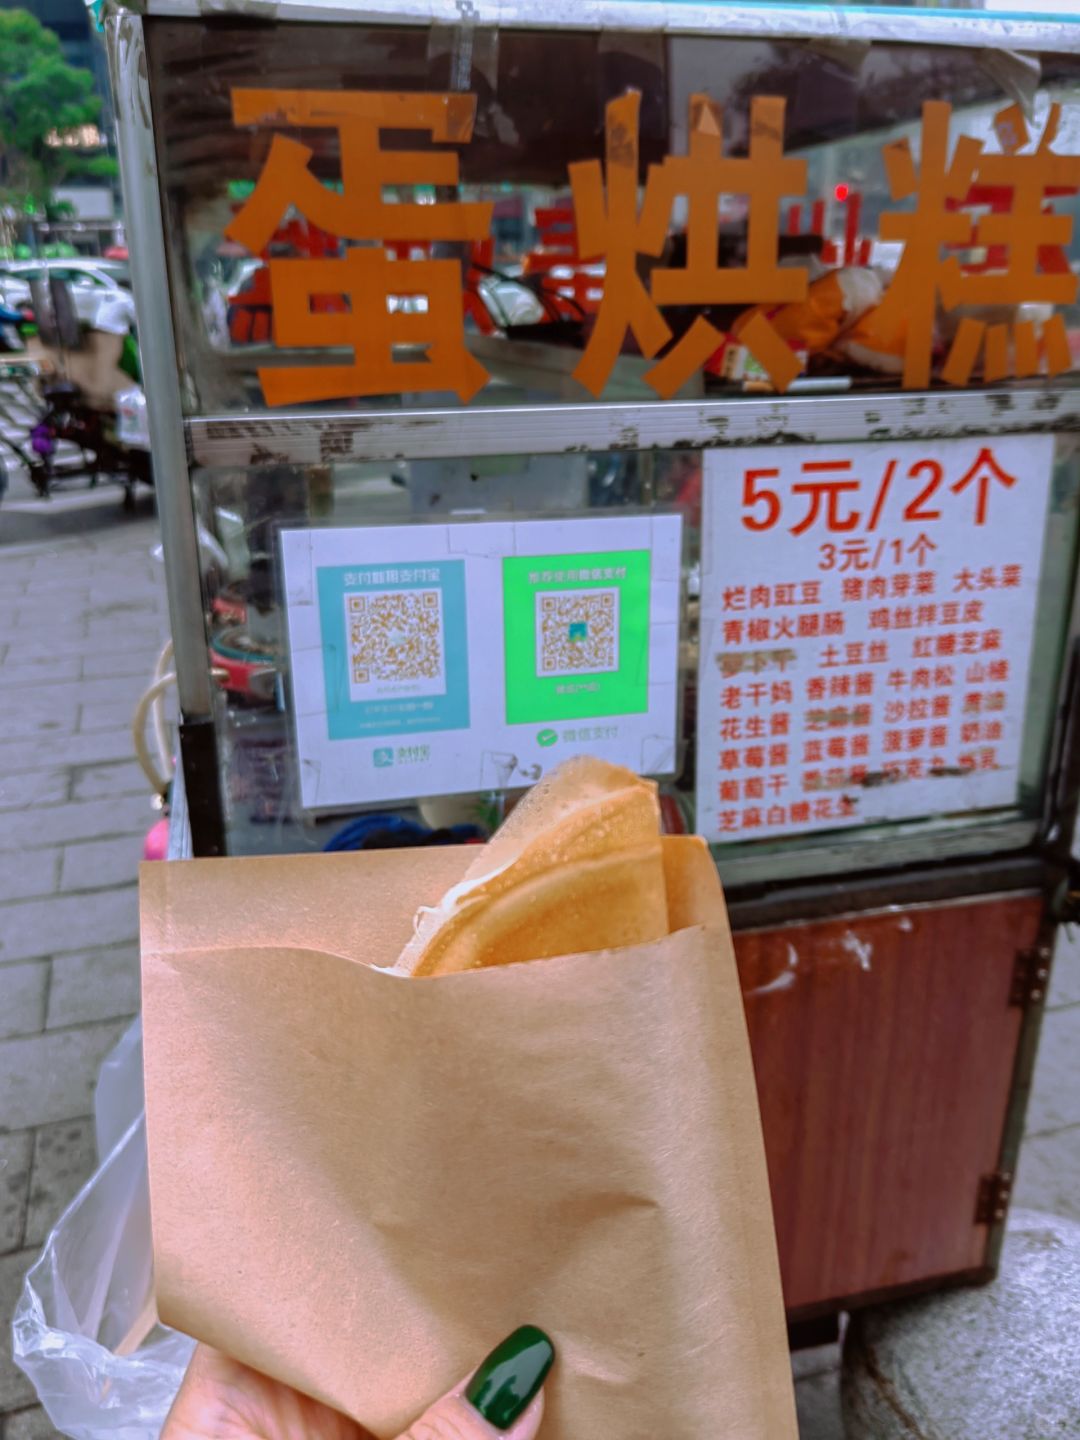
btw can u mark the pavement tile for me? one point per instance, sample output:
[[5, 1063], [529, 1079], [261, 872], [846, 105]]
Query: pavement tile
[[22, 1000], [19, 564], [25, 648], [34, 624], [77, 820], [109, 665], [72, 694], [67, 555], [20, 569], [17, 672], [35, 718], [96, 748], [138, 555], [65, 587], [25, 874], [94, 985], [94, 864], [1065, 972], [64, 1159], [1055, 1096], [34, 787], [115, 601], [149, 634], [1048, 1173], [16, 1155], [65, 922], [30, 1424], [76, 593], [49, 1077], [92, 782], [107, 715], [16, 1391]]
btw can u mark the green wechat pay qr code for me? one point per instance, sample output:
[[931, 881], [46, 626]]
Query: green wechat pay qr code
[[576, 630]]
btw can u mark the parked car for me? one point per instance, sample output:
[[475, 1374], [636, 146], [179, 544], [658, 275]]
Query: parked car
[[90, 280], [72, 267]]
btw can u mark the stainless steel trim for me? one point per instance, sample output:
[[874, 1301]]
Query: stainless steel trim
[[161, 381], [886, 907], [871, 848], [979, 28], [315, 437]]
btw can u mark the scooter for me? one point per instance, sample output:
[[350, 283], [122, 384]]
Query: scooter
[[106, 425], [16, 402], [98, 434], [18, 397]]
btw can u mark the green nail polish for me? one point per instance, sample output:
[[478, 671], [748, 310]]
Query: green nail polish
[[510, 1376]]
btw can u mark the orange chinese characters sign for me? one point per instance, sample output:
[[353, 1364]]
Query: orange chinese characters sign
[[613, 229], [1027, 235], [978, 233], [378, 288]]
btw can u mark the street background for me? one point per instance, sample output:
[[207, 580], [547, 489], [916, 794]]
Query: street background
[[82, 619]]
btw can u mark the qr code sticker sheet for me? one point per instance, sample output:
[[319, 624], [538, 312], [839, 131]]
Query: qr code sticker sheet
[[577, 632], [474, 655], [396, 643]]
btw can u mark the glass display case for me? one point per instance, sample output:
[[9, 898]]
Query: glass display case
[[243, 512], [553, 216]]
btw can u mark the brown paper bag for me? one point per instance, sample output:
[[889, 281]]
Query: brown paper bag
[[360, 1182]]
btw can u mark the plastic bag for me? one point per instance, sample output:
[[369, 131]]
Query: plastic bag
[[132, 422], [89, 1297]]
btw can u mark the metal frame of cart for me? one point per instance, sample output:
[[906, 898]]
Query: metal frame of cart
[[918, 864]]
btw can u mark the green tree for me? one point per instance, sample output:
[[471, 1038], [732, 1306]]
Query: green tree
[[41, 96]]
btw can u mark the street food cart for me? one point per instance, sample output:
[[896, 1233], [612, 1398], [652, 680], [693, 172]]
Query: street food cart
[[688, 384]]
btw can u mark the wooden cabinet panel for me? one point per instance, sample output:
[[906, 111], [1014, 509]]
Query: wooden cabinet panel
[[884, 1046]]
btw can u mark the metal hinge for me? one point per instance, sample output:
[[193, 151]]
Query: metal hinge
[[992, 1202], [1030, 974]]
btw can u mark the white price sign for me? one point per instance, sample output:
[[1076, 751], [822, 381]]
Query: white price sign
[[867, 614]]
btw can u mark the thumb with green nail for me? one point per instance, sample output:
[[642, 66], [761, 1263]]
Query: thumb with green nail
[[220, 1399]]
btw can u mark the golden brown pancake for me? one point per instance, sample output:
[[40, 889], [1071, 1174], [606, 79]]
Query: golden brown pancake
[[578, 866]]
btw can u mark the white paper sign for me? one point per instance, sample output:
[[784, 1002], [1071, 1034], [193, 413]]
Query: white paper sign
[[443, 659], [867, 614]]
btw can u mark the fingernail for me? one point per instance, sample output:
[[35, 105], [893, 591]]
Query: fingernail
[[510, 1376]]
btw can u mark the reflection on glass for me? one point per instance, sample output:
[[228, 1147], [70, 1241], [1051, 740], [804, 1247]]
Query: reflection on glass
[[620, 216], [241, 512]]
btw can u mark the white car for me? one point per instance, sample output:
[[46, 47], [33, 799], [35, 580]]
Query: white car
[[89, 280]]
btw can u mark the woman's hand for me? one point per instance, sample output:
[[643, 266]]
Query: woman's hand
[[221, 1399]]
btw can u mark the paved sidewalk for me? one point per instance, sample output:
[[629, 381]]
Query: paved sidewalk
[[82, 618]]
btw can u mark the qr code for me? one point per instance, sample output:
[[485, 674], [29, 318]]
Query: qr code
[[577, 631], [396, 643]]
